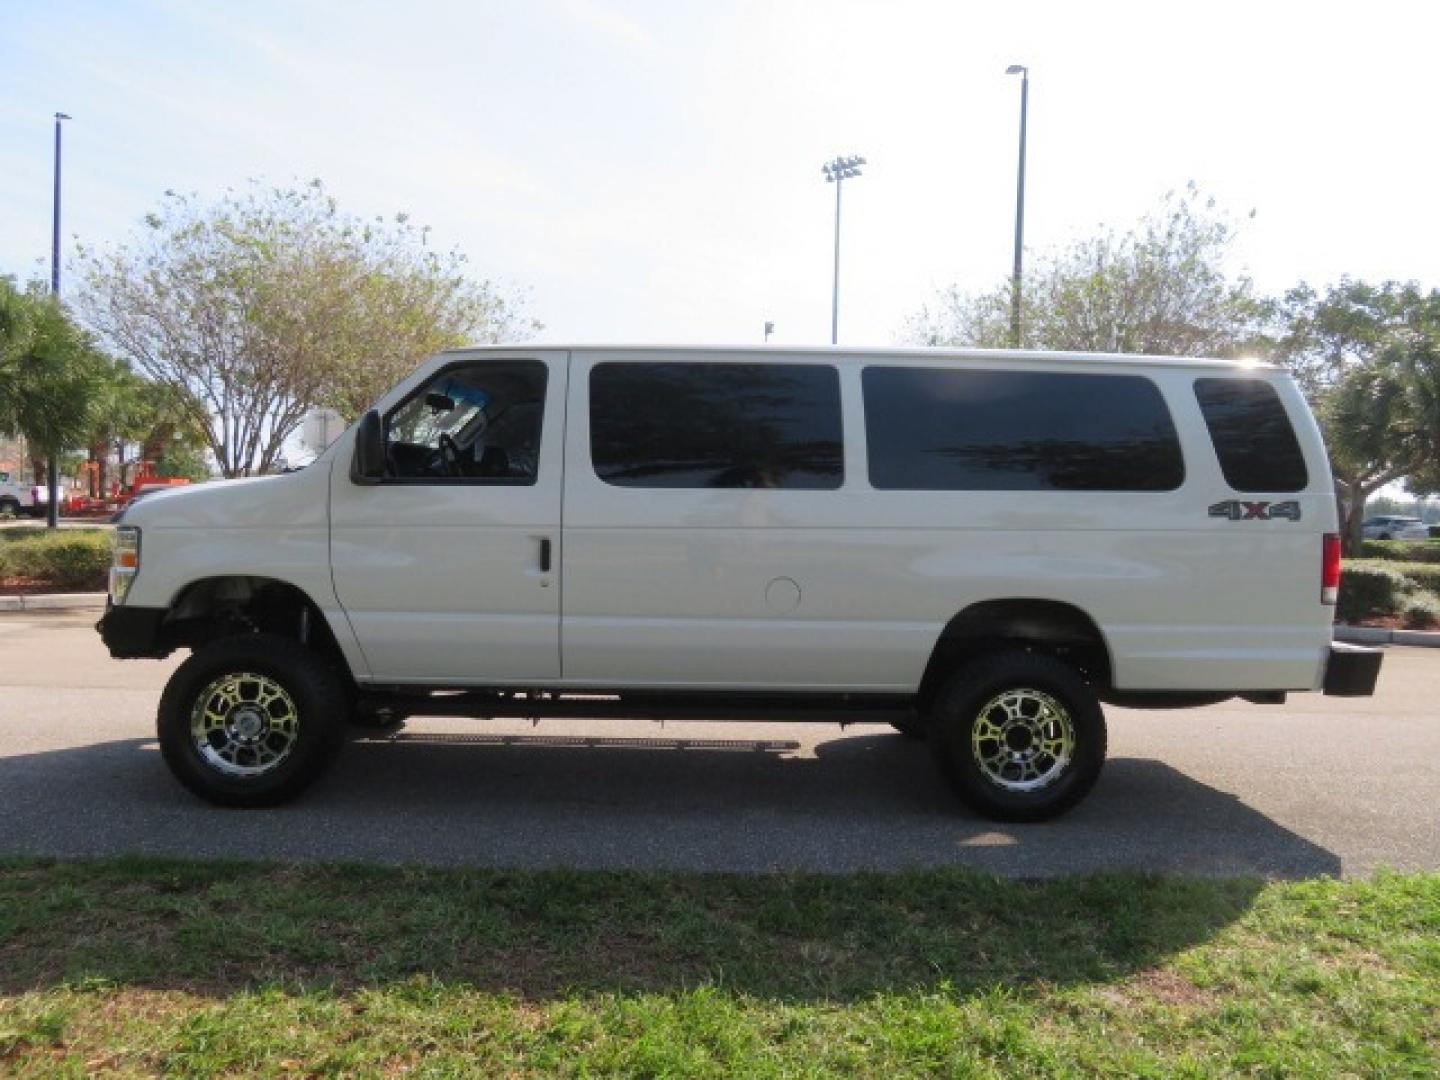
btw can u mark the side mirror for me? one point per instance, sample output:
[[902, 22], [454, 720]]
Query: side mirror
[[368, 464]]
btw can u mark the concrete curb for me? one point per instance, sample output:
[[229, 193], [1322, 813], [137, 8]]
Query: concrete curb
[[53, 602], [1379, 635]]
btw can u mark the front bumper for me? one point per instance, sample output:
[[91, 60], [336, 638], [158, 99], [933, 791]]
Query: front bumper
[[133, 632], [1352, 670]]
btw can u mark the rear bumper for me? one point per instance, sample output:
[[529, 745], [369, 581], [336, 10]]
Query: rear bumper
[[133, 632], [1352, 670]]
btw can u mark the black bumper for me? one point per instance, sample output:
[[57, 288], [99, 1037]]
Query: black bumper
[[1352, 671], [133, 632]]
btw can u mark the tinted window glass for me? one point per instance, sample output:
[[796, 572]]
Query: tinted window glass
[[932, 429], [716, 425], [1253, 438]]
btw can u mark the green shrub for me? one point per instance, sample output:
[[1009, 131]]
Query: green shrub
[[1370, 589], [66, 559], [1421, 611], [1420, 551], [1420, 575]]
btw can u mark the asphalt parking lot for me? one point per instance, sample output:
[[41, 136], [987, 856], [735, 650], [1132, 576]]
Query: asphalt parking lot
[[1319, 786]]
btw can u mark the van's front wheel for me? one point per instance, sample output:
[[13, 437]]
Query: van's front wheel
[[251, 720], [1019, 736]]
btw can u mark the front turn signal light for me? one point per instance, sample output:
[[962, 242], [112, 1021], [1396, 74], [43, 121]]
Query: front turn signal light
[[124, 562]]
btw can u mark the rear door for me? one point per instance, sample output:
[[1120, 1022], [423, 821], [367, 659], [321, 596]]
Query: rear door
[[449, 569]]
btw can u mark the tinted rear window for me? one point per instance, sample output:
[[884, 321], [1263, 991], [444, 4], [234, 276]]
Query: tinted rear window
[[1253, 438], [932, 429], [682, 425]]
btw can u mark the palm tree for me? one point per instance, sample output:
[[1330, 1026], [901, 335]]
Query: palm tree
[[50, 375]]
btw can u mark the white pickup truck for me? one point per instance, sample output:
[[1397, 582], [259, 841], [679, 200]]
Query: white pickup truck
[[18, 499], [980, 548]]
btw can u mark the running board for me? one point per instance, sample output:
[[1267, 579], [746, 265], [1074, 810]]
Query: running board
[[390, 705]]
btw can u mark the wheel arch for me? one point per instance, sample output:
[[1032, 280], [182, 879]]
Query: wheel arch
[[211, 608], [1054, 627]]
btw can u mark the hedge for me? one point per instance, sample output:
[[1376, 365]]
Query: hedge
[[1410, 590], [1421, 611], [1425, 575], [1368, 589], [69, 559], [1420, 551]]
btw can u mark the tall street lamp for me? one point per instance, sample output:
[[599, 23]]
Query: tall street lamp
[[1024, 73], [55, 223], [52, 466], [837, 172]]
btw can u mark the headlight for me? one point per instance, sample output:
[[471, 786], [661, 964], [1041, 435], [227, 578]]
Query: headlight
[[124, 562]]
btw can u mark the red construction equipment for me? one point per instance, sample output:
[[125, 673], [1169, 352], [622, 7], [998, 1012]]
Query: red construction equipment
[[144, 479]]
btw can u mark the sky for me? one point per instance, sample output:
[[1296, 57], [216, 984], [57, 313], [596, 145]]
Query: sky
[[650, 171]]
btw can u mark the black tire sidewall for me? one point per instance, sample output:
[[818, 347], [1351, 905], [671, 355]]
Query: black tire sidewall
[[312, 683], [957, 709]]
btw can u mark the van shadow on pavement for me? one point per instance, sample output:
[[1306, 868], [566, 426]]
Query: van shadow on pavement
[[865, 801]]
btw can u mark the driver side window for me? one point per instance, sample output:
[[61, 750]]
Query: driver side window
[[473, 423]]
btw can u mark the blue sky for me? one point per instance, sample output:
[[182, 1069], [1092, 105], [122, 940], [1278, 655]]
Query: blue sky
[[650, 171]]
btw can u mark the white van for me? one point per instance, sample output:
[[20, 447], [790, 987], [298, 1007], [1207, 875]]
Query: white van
[[978, 547]]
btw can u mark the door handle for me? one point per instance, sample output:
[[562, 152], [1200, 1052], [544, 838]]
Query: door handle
[[544, 554]]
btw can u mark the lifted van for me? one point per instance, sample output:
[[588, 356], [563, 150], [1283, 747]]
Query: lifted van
[[979, 548]]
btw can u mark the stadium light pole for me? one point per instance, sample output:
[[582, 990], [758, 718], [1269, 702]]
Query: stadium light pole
[[837, 172], [1024, 73], [55, 219], [52, 465]]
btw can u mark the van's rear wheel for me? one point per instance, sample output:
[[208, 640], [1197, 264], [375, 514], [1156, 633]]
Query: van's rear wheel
[[1019, 736], [251, 720]]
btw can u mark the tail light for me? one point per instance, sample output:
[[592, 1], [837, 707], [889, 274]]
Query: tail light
[[1330, 570]]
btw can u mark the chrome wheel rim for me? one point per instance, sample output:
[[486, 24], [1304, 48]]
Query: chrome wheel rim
[[244, 724], [1023, 740]]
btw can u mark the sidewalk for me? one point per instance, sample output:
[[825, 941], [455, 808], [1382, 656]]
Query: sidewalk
[[1379, 635], [53, 602]]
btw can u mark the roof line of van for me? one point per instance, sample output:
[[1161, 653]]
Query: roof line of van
[[843, 352]]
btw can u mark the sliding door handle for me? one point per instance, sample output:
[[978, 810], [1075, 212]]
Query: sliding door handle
[[544, 554]]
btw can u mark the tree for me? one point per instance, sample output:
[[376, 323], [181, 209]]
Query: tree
[[1160, 288], [132, 410], [1368, 357], [270, 302], [50, 374]]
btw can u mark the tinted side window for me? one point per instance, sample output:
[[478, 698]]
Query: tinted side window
[[683, 425], [932, 429], [1253, 438]]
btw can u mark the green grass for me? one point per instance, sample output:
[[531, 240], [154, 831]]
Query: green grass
[[197, 969]]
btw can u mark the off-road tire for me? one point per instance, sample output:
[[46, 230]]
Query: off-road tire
[[1017, 677], [311, 688]]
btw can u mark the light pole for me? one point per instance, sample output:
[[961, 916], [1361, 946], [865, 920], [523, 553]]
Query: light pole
[[52, 466], [837, 172], [1024, 73], [55, 221]]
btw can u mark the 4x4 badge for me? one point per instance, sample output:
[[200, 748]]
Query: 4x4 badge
[[1239, 510]]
